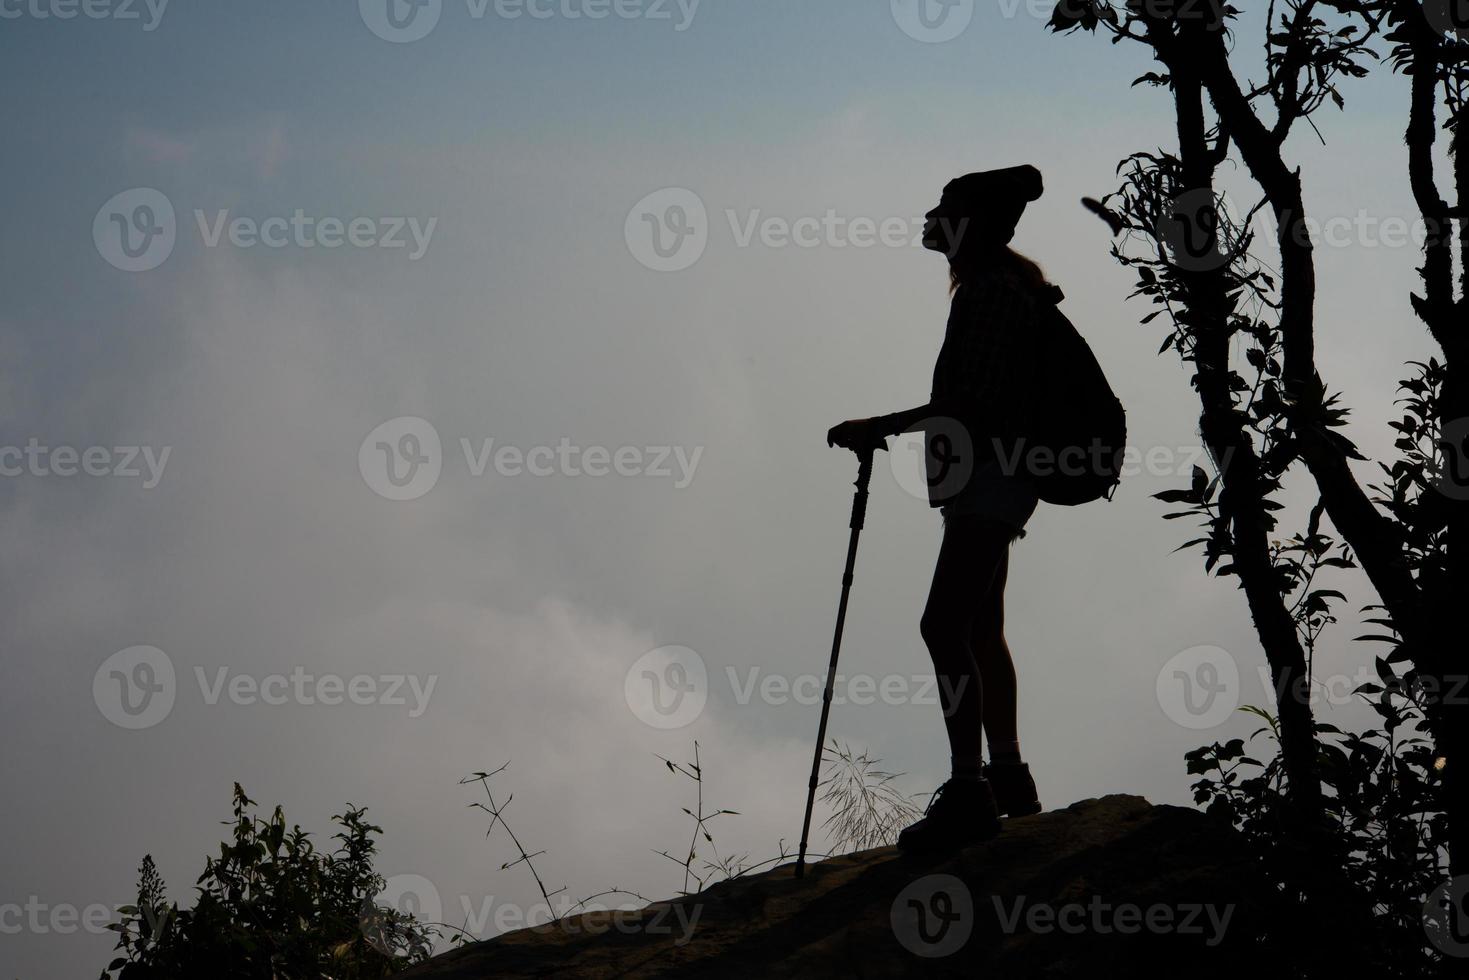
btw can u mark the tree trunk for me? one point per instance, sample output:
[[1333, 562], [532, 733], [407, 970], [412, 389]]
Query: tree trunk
[[1242, 496]]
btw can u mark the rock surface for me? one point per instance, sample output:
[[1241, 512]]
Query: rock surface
[[1111, 887]]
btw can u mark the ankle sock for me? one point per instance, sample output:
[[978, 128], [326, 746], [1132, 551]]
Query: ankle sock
[[967, 767], [1005, 753]]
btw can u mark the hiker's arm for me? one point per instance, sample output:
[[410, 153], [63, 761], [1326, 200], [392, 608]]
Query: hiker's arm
[[904, 421], [861, 433]]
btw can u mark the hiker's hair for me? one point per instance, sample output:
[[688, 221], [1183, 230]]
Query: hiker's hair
[[1024, 270]]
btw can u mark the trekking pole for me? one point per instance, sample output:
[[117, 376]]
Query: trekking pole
[[859, 514]]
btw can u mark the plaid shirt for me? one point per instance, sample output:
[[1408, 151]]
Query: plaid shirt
[[989, 370]]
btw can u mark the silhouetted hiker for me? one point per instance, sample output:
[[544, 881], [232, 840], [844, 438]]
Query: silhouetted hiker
[[987, 378]]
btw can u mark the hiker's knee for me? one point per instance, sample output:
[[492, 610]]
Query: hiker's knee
[[941, 628]]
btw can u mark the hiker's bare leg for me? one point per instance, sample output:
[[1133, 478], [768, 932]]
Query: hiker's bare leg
[[992, 656], [971, 553]]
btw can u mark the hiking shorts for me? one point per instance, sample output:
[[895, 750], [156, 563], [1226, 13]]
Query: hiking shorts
[[991, 494]]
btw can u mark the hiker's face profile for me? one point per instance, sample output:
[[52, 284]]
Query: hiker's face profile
[[946, 225]]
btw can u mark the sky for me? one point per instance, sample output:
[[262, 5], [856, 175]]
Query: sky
[[389, 445]]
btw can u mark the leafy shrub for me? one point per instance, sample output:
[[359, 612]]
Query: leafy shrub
[[1358, 880], [272, 907]]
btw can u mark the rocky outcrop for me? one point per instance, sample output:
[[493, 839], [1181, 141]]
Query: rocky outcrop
[[1113, 887]]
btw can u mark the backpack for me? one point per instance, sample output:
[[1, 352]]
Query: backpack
[[1075, 452]]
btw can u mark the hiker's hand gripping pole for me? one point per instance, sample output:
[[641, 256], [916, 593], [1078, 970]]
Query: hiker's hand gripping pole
[[859, 516]]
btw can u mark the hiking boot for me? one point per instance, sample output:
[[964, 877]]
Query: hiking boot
[[961, 812], [1015, 794]]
